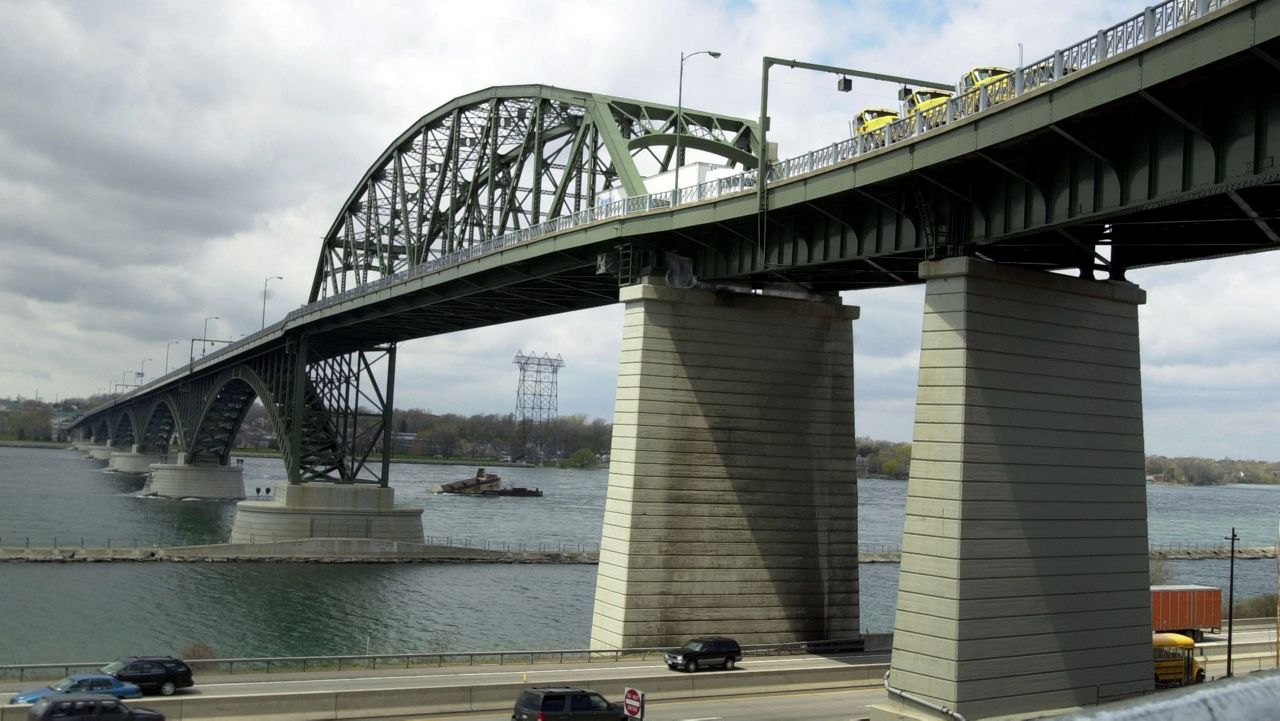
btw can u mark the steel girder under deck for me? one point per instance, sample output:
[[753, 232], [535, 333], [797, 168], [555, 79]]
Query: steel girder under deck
[[1158, 156]]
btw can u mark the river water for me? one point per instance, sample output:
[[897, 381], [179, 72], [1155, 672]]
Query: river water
[[97, 611]]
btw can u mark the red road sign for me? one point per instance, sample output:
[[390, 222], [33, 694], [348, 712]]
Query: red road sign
[[633, 703]]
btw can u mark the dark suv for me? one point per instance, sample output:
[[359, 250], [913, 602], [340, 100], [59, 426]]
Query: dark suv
[[81, 707], [153, 674], [704, 651], [570, 704]]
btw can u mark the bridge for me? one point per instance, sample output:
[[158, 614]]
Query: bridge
[[732, 501]]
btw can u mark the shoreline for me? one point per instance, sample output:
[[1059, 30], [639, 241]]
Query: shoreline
[[336, 550], [315, 550]]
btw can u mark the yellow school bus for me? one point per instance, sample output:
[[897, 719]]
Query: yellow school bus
[[1175, 659]]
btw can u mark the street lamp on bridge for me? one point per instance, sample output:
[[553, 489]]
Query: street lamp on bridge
[[675, 195], [204, 334], [264, 296], [166, 354], [762, 157], [141, 370]]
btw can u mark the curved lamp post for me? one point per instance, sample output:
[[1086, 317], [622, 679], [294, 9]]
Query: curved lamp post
[[142, 367], [675, 195], [204, 334], [166, 354], [264, 296]]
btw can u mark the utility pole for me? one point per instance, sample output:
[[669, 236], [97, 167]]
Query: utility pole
[[1231, 596]]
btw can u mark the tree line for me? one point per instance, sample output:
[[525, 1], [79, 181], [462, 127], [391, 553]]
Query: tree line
[[493, 436]]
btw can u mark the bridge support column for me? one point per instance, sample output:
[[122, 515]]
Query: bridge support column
[[732, 499], [1024, 580], [327, 510], [132, 462], [100, 453], [182, 480]]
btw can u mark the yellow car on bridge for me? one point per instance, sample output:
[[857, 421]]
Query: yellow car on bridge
[[872, 119], [923, 100], [997, 80]]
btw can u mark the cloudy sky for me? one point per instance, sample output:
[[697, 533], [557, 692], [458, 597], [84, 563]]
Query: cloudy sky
[[158, 161]]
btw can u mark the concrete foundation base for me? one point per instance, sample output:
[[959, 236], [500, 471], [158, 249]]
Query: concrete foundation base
[[732, 502], [101, 453], [136, 463], [327, 510], [179, 480]]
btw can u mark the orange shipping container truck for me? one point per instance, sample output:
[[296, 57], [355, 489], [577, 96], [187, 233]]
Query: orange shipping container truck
[[1188, 610]]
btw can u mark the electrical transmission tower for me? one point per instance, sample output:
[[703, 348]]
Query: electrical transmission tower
[[536, 398]]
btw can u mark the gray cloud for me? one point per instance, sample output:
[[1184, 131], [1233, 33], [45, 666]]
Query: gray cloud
[[159, 160]]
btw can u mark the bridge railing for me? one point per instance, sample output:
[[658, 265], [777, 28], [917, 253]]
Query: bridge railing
[[1131, 33], [286, 664]]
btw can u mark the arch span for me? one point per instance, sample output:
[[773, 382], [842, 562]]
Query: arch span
[[503, 159]]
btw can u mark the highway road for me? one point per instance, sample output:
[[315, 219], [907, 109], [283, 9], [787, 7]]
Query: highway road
[[1254, 647], [811, 706], [625, 673]]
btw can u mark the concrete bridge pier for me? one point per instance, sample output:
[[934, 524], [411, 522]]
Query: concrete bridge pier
[[184, 480], [732, 499], [327, 510], [100, 452], [1024, 579], [133, 462]]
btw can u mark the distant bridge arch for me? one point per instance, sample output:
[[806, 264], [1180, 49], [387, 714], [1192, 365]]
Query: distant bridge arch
[[122, 431]]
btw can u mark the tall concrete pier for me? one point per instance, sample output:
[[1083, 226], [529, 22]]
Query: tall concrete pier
[[732, 500], [1024, 578]]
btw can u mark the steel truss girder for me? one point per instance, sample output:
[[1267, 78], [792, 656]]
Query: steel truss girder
[[1157, 176], [501, 160]]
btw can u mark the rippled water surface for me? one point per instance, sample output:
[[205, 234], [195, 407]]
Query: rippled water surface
[[85, 611]]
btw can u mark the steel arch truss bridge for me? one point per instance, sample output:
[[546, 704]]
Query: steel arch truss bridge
[[505, 159], [329, 410]]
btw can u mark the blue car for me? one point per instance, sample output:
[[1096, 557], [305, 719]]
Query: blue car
[[99, 683]]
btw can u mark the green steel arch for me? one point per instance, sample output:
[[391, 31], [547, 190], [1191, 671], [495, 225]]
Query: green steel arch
[[123, 429], [503, 159], [160, 426]]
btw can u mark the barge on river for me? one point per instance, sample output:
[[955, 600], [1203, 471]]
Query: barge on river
[[486, 484]]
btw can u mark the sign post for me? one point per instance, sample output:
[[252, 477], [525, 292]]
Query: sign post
[[633, 703]]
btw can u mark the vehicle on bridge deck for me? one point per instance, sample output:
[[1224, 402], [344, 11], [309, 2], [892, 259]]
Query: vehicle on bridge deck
[[922, 100], [873, 119], [1175, 659], [562, 702], [997, 80], [153, 674], [97, 683], [88, 707], [705, 651]]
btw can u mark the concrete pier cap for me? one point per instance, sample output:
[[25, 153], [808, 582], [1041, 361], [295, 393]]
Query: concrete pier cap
[[327, 510]]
